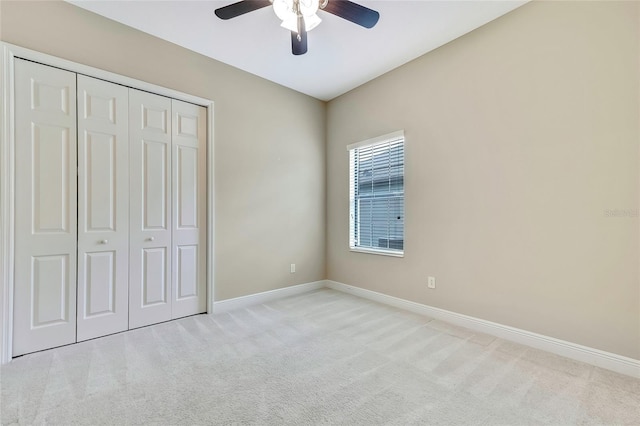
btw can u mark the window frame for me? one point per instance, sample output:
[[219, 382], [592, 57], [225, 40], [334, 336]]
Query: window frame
[[352, 197]]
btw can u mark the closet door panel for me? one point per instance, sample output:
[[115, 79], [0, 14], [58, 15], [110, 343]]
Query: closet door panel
[[150, 209], [103, 214], [189, 209], [154, 277], [45, 216], [155, 193]]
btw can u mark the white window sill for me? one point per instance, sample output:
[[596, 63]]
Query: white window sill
[[378, 252]]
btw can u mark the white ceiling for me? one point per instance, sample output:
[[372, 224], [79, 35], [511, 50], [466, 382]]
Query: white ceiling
[[341, 55]]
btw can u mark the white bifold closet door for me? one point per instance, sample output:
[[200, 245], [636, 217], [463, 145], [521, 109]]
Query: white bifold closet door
[[189, 209], [103, 208], [150, 219], [44, 313], [167, 269]]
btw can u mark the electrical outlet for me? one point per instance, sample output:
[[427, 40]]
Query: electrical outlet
[[431, 282], [293, 268]]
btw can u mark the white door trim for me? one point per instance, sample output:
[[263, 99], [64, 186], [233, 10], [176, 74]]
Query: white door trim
[[7, 194], [7, 160]]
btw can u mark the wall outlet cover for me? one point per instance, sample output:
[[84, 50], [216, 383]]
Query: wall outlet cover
[[431, 282]]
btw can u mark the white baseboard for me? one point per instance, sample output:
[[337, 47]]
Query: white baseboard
[[266, 296], [608, 360]]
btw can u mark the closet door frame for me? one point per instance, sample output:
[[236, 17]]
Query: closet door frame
[[8, 53]]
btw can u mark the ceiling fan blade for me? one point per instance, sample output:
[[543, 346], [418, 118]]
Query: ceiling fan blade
[[299, 45], [353, 12], [240, 8]]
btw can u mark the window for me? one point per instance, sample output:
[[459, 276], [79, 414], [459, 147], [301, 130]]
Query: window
[[376, 195]]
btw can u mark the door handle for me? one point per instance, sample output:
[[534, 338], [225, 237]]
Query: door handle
[[150, 239], [104, 241]]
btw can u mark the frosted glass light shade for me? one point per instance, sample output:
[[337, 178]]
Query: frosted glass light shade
[[309, 7], [290, 23], [310, 22], [284, 10]]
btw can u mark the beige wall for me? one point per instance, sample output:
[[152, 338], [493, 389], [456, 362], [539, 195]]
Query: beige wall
[[270, 193], [519, 136]]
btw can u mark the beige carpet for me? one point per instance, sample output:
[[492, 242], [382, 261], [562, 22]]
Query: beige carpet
[[320, 358]]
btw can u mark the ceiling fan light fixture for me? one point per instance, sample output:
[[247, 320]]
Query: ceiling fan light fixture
[[308, 7], [290, 23], [286, 11]]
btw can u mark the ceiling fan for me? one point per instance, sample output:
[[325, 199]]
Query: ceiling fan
[[299, 16]]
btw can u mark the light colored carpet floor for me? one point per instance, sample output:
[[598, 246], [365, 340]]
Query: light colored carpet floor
[[319, 358]]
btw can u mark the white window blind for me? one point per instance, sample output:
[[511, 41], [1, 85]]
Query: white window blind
[[376, 193]]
